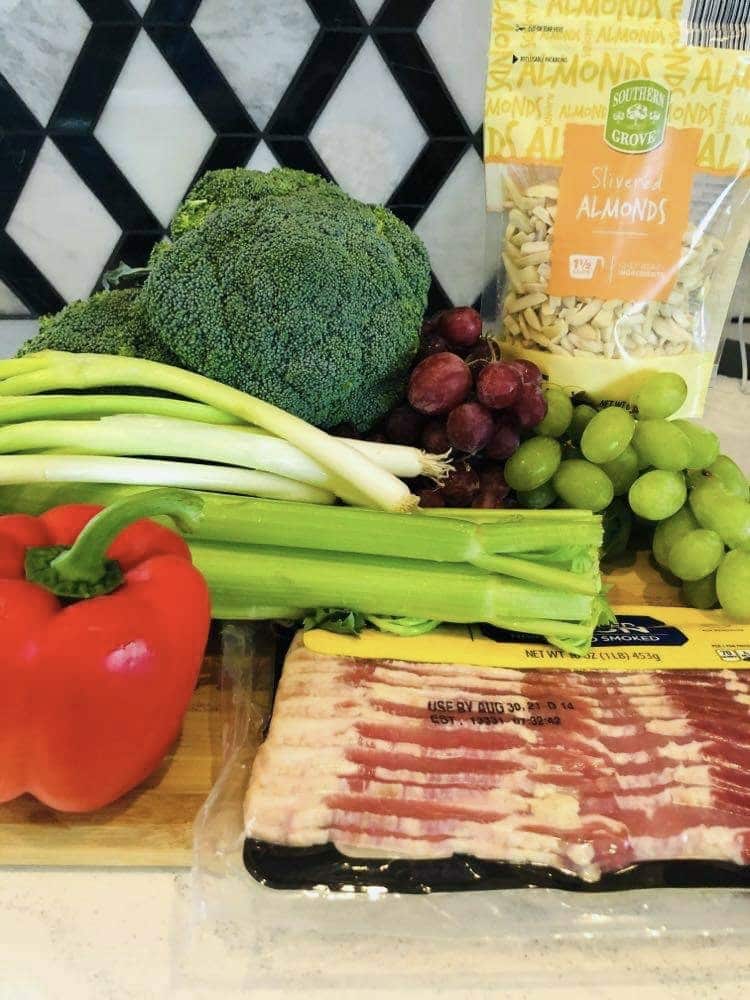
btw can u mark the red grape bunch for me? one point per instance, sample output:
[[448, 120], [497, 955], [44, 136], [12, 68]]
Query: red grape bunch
[[462, 396]]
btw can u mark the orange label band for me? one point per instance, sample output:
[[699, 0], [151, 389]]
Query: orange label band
[[621, 217]]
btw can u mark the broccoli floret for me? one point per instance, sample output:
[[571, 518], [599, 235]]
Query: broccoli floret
[[309, 300], [217, 188], [107, 323]]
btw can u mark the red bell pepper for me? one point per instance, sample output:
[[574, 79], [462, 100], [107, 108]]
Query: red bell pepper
[[103, 626]]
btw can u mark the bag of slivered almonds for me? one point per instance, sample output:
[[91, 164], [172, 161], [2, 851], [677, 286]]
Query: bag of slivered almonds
[[617, 150]]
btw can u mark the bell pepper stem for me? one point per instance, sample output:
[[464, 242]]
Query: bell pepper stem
[[83, 570], [85, 559]]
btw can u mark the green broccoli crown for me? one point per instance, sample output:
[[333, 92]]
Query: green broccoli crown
[[107, 323], [217, 188], [310, 301]]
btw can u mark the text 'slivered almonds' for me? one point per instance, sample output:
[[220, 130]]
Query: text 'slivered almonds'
[[572, 326]]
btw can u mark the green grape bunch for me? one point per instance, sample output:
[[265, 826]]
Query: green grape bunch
[[669, 473]]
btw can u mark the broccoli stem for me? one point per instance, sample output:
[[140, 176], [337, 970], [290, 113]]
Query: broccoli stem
[[49, 371]]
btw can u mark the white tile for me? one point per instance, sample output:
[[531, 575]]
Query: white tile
[[152, 130], [258, 45], [62, 226], [140, 5], [10, 304], [262, 158], [36, 55], [459, 44], [453, 229], [368, 135], [13, 333], [369, 8]]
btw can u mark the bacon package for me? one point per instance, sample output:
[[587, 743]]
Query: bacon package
[[417, 776]]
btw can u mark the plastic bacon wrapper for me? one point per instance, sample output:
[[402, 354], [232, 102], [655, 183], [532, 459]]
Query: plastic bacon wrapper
[[425, 774]]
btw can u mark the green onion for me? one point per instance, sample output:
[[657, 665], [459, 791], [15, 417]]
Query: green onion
[[17, 409], [50, 371], [42, 469]]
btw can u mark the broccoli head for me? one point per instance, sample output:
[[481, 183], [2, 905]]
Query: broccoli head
[[217, 188], [107, 323], [309, 299]]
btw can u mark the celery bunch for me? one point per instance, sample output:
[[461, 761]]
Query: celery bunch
[[526, 571]]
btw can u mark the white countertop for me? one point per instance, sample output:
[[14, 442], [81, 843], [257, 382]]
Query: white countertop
[[137, 934]]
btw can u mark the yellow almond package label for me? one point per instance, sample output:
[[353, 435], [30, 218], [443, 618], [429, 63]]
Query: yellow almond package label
[[617, 137]]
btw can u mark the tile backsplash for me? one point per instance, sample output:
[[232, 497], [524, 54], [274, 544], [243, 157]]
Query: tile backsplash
[[109, 109]]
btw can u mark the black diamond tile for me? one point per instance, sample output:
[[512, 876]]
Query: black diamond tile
[[90, 161], [109, 11], [314, 82], [92, 78], [26, 280], [299, 154], [337, 13], [437, 298], [403, 14], [17, 155], [229, 151], [202, 79], [427, 175], [412, 67], [171, 11], [14, 115]]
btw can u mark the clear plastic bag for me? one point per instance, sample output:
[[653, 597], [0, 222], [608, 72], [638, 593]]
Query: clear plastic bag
[[227, 895], [616, 160]]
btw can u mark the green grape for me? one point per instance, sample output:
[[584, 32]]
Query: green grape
[[661, 444], [534, 463], [731, 477], [721, 512], [559, 412], [542, 496], [670, 531], [623, 470], [607, 435], [701, 593], [582, 484], [582, 416], [657, 494], [696, 554], [660, 395], [704, 444], [733, 584]]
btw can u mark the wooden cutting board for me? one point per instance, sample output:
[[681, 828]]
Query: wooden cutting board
[[150, 826]]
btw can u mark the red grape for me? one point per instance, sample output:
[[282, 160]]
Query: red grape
[[470, 426], [461, 486], [433, 343], [487, 499], [461, 327], [492, 480], [531, 407], [404, 425], [439, 383], [435, 437], [530, 374], [430, 325], [505, 440], [478, 358], [498, 385], [431, 497]]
